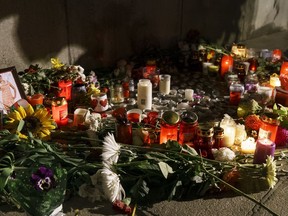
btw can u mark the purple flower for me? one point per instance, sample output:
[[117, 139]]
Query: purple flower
[[43, 179]]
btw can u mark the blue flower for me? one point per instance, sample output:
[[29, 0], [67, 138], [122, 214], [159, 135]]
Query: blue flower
[[43, 179]]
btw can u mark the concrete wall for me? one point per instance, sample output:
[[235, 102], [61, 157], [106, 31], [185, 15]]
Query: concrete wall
[[96, 33]]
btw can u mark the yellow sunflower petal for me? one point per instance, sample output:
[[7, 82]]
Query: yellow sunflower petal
[[15, 115], [29, 110], [39, 113], [22, 111], [49, 126], [21, 136]]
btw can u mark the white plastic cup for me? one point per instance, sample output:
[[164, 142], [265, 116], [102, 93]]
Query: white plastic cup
[[189, 93]]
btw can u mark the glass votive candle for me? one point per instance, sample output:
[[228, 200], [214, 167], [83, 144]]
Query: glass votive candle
[[189, 93], [134, 115], [236, 91], [36, 99], [79, 116], [248, 146], [269, 126], [164, 85], [264, 147]]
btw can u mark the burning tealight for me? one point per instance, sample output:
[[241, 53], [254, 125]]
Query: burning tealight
[[248, 146]]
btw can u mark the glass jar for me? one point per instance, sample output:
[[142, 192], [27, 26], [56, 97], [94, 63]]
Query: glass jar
[[236, 91], [205, 140], [187, 128], [269, 126], [169, 126], [124, 132], [117, 96], [218, 137], [60, 111], [251, 82], [240, 70]]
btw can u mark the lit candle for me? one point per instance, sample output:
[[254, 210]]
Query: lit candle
[[35, 99], [264, 148], [60, 111], [277, 54], [284, 68], [248, 146], [65, 87], [229, 135], [79, 116], [269, 126], [274, 80], [226, 65]]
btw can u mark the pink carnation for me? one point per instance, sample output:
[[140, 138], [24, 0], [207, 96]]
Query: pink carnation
[[281, 137]]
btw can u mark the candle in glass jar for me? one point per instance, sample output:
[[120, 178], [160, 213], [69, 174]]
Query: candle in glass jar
[[189, 93], [144, 94], [65, 87], [164, 85], [264, 147], [60, 111], [277, 54], [229, 135], [269, 126], [226, 65], [248, 146], [284, 68]]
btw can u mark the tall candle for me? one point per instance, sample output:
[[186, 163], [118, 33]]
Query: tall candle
[[264, 148], [226, 65], [65, 87], [144, 94], [284, 68]]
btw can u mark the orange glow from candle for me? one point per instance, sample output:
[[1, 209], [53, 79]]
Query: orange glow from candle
[[35, 99], [226, 64], [65, 89]]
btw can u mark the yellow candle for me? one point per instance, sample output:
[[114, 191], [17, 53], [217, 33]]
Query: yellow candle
[[248, 146]]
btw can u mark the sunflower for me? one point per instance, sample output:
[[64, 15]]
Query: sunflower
[[22, 120]]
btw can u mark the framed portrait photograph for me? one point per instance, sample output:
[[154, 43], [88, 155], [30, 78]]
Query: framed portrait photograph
[[11, 89]]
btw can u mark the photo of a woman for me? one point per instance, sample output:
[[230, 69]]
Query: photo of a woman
[[8, 93]]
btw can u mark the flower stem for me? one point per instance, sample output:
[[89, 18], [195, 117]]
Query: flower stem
[[240, 192]]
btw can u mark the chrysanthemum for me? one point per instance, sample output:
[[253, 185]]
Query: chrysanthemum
[[112, 187], [270, 169], [253, 122], [39, 122], [111, 150]]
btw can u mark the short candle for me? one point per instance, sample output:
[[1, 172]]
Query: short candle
[[248, 146], [264, 148]]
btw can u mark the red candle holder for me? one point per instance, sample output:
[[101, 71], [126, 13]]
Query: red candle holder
[[226, 65], [65, 87], [60, 111], [269, 126], [264, 148], [188, 128], [284, 68], [277, 54], [169, 126]]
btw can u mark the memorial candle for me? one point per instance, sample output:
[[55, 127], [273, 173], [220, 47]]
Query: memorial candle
[[60, 111], [65, 87], [264, 148], [226, 65], [248, 146]]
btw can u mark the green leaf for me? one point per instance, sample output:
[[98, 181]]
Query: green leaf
[[173, 145], [165, 169], [188, 149], [20, 125], [140, 189], [4, 177], [174, 189]]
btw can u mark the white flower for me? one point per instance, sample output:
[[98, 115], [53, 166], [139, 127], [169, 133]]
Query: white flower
[[111, 150], [112, 187], [270, 167], [223, 154]]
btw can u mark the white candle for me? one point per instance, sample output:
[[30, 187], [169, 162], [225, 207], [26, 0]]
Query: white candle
[[144, 94], [248, 146], [229, 135], [164, 85], [189, 94], [240, 134], [205, 66]]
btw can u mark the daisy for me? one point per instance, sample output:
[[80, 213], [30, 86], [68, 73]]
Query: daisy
[[111, 150], [112, 187], [270, 168]]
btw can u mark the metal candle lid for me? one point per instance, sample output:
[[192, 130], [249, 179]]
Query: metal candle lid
[[170, 117]]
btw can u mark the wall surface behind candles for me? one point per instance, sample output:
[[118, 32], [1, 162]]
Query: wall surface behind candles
[[97, 33]]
